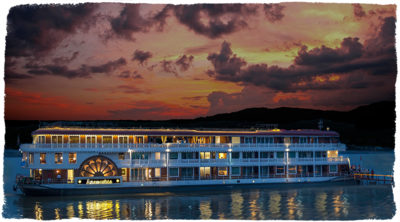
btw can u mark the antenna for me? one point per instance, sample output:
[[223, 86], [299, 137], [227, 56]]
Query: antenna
[[320, 124]]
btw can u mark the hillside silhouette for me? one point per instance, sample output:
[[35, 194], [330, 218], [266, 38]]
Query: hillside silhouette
[[369, 125]]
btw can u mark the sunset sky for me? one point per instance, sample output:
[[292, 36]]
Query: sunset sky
[[157, 62]]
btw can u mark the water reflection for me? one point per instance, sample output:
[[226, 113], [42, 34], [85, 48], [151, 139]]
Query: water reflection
[[320, 205], [336, 203], [291, 205], [237, 205], [275, 205]]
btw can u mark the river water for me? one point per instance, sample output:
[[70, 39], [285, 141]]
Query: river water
[[350, 202]]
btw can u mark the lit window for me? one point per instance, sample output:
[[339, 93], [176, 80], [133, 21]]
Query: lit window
[[158, 155], [107, 139], [42, 158], [222, 155], [292, 169], [31, 158], [74, 139], [58, 158], [157, 172], [72, 157], [121, 156], [222, 171], [280, 169]]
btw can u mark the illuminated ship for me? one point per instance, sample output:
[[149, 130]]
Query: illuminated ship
[[77, 160]]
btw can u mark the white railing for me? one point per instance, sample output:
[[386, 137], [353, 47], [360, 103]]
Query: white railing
[[233, 161], [332, 146]]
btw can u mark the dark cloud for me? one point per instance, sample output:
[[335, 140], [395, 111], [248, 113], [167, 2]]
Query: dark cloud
[[350, 49], [9, 63], [168, 67], [359, 12], [150, 68], [10, 76], [375, 57], [130, 21], [194, 98], [184, 62], [83, 71], [141, 56], [226, 63], [62, 60], [135, 75], [125, 74], [285, 47], [36, 30], [274, 12], [109, 66], [234, 14]]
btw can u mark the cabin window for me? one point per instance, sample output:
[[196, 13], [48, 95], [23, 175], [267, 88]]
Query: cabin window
[[123, 139], [72, 157], [205, 155], [121, 156], [334, 140], [91, 139], [292, 169], [303, 139], [288, 140], [292, 155], [174, 172], [157, 172], [137, 156], [271, 155], [56, 139], [248, 140], [247, 170], [222, 156], [41, 139], [264, 155], [235, 170], [187, 172], [280, 169], [260, 140], [235, 155], [173, 155], [187, 155], [31, 158], [158, 155], [42, 158], [58, 158], [318, 154], [332, 168], [313, 140], [247, 155], [107, 139], [280, 154], [222, 171], [278, 140], [74, 139]]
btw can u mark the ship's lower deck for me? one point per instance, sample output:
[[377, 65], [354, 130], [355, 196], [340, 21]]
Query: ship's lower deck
[[177, 186]]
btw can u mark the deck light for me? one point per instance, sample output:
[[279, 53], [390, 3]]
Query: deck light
[[79, 181], [117, 180], [223, 181]]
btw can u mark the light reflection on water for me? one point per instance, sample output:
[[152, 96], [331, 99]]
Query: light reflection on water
[[342, 202]]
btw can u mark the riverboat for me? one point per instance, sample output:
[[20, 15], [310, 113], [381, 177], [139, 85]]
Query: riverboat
[[72, 159]]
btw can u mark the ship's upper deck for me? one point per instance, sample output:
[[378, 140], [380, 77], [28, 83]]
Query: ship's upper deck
[[182, 132]]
